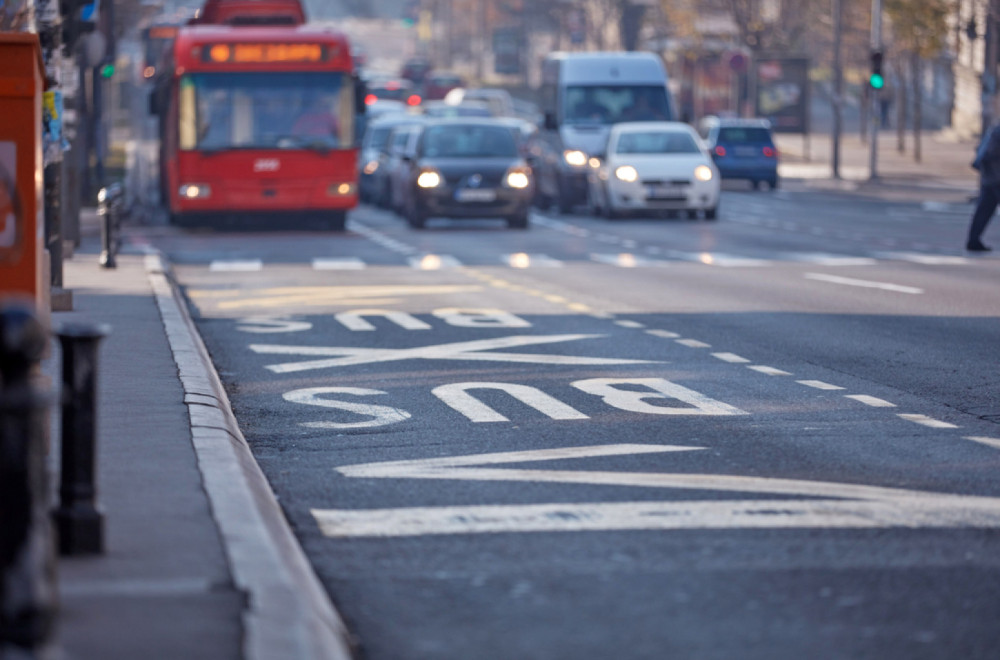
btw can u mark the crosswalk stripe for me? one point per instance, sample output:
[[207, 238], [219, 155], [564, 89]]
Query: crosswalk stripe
[[433, 262], [524, 260], [234, 265], [625, 260], [347, 263]]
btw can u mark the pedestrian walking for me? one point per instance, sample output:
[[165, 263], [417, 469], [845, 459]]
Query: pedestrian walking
[[988, 163]]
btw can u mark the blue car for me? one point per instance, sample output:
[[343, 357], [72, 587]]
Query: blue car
[[742, 149]]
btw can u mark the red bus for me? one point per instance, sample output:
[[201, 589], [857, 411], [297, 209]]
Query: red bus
[[260, 121], [250, 12]]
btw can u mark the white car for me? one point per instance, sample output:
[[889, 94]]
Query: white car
[[654, 167]]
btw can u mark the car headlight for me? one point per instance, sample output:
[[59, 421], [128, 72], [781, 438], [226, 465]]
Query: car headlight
[[195, 190], [703, 173], [627, 174], [518, 177], [371, 167], [429, 179], [575, 157]]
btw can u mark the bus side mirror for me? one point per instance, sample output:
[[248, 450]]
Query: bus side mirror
[[550, 121], [360, 92]]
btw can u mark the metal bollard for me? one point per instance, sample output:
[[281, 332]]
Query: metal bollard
[[109, 208], [79, 524], [28, 595]]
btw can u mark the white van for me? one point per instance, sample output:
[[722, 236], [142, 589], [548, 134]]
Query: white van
[[583, 95]]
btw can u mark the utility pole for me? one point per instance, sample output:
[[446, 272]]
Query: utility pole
[[838, 86], [874, 114], [990, 57]]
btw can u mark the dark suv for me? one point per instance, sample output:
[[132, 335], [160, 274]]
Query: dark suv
[[742, 149]]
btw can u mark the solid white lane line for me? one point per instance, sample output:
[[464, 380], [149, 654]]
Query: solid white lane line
[[693, 343], [924, 420], [345, 263], [732, 358], [848, 281], [770, 371], [629, 324], [665, 334], [983, 440], [236, 265], [819, 385], [872, 401]]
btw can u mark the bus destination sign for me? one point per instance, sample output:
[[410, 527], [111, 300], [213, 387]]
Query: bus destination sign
[[264, 53]]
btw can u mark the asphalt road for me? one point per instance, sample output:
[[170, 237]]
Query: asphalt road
[[770, 436]]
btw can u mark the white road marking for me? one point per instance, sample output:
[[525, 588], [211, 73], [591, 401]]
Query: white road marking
[[732, 358], [629, 324], [634, 401], [381, 415], [926, 259], [625, 260], [461, 317], [719, 259], [267, 325], [236, 266], [457, 396], [823, 259], [665, 334], [346, 263], [355, 322], [924, 420], [984, 440], [847, 281], [872, 401], [433, 262], [842, 506], [467, 350], [693, 343], [819, 385], [524, 260], [770, 371]]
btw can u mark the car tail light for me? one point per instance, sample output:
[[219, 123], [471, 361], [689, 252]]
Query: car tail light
[[371, 98], [720, 151], [413, 100], [770, 152]]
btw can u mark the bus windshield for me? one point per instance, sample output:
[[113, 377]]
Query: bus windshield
[[279, 110], [610, 104]]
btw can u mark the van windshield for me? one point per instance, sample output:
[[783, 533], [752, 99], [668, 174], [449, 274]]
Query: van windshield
[[610, 104]]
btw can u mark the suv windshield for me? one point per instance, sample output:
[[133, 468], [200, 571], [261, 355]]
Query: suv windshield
[[469, 142]]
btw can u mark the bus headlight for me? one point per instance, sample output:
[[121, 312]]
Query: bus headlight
[[575, 157], [627, 173], [340, 189], [517, 177], [703, 173], [195, 191], [429, 179]]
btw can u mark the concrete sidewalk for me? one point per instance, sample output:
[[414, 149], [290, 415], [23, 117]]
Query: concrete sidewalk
[[199, 561]]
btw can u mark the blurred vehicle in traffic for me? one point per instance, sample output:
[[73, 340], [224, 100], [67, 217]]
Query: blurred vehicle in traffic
[[654, 167], [386, 183], [499, 100], [373, 143], [442, 110], [584, 95], [415, 70], [439, 83], [392, 89], [467, 169], [742, 149]]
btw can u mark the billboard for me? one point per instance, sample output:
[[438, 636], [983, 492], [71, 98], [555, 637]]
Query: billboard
[[781, 92]]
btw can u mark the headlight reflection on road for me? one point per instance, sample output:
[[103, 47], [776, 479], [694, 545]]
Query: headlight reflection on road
[[706, 258], [627, 260], [520, 260], [430, 262]]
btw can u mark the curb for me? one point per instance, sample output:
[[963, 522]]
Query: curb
[[288, 613]]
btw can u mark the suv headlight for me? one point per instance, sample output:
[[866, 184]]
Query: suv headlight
[[518, 177], [575, 158], [627, 173], [429, 178]]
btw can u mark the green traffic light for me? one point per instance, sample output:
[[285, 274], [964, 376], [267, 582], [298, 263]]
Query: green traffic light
[[877, 81], [107, 70]]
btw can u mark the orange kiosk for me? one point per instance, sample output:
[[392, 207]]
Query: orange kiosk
[[24, 272]]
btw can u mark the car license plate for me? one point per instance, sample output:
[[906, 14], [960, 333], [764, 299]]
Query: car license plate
[[475, 195], [744, 152], [672, 190]]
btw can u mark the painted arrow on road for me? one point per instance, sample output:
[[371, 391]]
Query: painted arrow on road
[[465, 350], [828, 504]]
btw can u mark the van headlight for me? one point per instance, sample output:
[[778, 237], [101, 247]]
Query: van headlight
[[627, 173], [518, 177], [703, 173], [429, 178], [575, 158]]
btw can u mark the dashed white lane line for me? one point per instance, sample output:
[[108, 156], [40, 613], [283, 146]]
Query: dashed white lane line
[[629, 324], [770, 371], [664, 334], [872, 401], [346, 263], [848, 281], [731, 358], [924, 420], [819, 385], [236, 265], [693, 343], [983, 440]]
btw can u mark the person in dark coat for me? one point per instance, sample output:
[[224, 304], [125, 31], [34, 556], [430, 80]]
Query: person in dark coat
[[988, 163]]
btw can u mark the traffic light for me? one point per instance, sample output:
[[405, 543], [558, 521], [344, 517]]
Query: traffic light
[[877, 80], [107, 69]]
